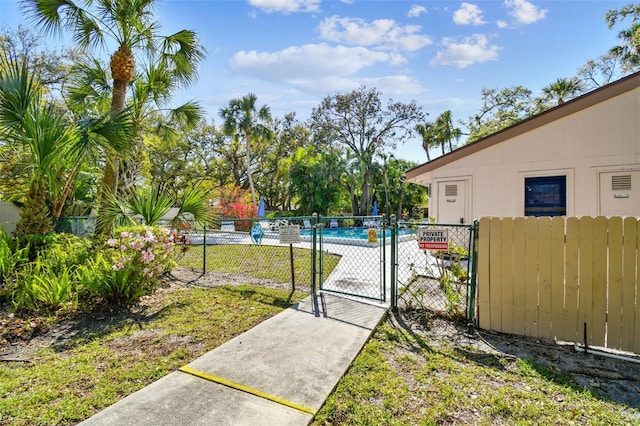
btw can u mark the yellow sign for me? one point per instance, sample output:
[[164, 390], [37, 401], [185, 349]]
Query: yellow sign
[[372, 235]]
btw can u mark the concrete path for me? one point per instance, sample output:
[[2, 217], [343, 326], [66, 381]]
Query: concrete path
[[278, 373]]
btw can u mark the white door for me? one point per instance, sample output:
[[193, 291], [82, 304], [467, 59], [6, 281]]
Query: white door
[[620, 193], [452, 202]]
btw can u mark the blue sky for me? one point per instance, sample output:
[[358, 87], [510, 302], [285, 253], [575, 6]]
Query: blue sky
[[293, 53]]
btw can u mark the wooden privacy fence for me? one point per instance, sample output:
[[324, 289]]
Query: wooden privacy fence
[[548, 277]]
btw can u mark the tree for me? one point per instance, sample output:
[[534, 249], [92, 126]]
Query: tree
[[55, 147], [131, 26], [243, 120], [500, 109], [600, 71], [427, 134], [394, 195], [315, 178], [562, 89], [358, 121], [629, 50]]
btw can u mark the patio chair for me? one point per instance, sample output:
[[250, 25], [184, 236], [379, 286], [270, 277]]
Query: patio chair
[[333, 223], [265, 225], [306, 224], [228, 226]]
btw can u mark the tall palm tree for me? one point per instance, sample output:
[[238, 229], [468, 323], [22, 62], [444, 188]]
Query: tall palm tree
[[132, 26], [242, 119], [445, 130], [562, 89], [52, 141], [425, 130]]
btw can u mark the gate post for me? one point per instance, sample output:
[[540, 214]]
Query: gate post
[[471, 299], [314, 254], [394, 265]]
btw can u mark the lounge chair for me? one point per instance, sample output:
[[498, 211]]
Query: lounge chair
[[306, 224], [333, 223], [228, 226]]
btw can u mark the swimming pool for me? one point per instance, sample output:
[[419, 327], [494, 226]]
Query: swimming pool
[[355, 236]]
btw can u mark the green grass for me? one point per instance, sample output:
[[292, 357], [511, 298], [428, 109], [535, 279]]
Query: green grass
[[399, 379], [265, 262], [68, 384]]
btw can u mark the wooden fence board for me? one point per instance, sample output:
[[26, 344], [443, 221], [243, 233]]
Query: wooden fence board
[[495, 243], [519, 289], [506, 272], [614, 289], [629, 283], [557, 277], [531, 277], [571, 324], [547, 277], [598, 323], [483, 281], [585, 242], [544, 277]]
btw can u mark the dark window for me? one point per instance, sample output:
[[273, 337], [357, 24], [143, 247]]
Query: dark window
[[545, 196]]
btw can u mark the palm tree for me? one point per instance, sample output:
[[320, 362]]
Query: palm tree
[[151, 204], [562, 89], [242, 119], [428, 138], [131, 25], [53, 143], [445, 131]]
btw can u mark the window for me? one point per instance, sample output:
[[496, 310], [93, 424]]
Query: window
[[545, 196]]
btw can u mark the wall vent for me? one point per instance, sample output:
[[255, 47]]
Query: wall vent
[[621, 183], [451, 190]]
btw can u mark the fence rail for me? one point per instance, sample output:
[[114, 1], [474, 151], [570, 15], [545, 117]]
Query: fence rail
[[561, 278]]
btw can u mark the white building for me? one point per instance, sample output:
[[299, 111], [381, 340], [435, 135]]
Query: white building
[[581, 158]]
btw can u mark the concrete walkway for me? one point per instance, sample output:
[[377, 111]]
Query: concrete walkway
[[278, 373]]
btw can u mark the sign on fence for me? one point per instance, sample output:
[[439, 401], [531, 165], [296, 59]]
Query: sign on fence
[[433, 239], [289, 234]]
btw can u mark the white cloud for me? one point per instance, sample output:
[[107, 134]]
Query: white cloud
[[381, 33], [470, 50], [416, 11], [468, 14], [322, 69], [502, 24], [286, 6], [524, 12], [306, 62]]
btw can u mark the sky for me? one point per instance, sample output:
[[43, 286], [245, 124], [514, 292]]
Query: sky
[[441, 54]]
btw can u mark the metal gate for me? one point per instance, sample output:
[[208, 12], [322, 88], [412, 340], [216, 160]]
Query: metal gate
[[363, 242], [439, 277]]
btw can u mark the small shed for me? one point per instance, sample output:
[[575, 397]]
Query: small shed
[[580, 158]]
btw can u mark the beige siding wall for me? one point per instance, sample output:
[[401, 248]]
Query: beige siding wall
[[548, 277], [604, 137]]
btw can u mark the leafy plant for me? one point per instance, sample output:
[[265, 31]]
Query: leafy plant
[[11, 258], [39, 288], [131, 265]]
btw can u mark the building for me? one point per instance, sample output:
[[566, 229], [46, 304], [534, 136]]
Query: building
[[580, 158]]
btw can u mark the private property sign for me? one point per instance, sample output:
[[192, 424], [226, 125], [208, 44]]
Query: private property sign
[[433, 239]]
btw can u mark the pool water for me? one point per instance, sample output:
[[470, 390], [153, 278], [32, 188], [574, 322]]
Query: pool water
[[359, 234]]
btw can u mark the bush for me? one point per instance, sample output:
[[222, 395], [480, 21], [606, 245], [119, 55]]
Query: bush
[[128, 266]]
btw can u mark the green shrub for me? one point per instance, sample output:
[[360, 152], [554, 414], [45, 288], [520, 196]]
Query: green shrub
[[129, 265], [39, 288], [11, 258]]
